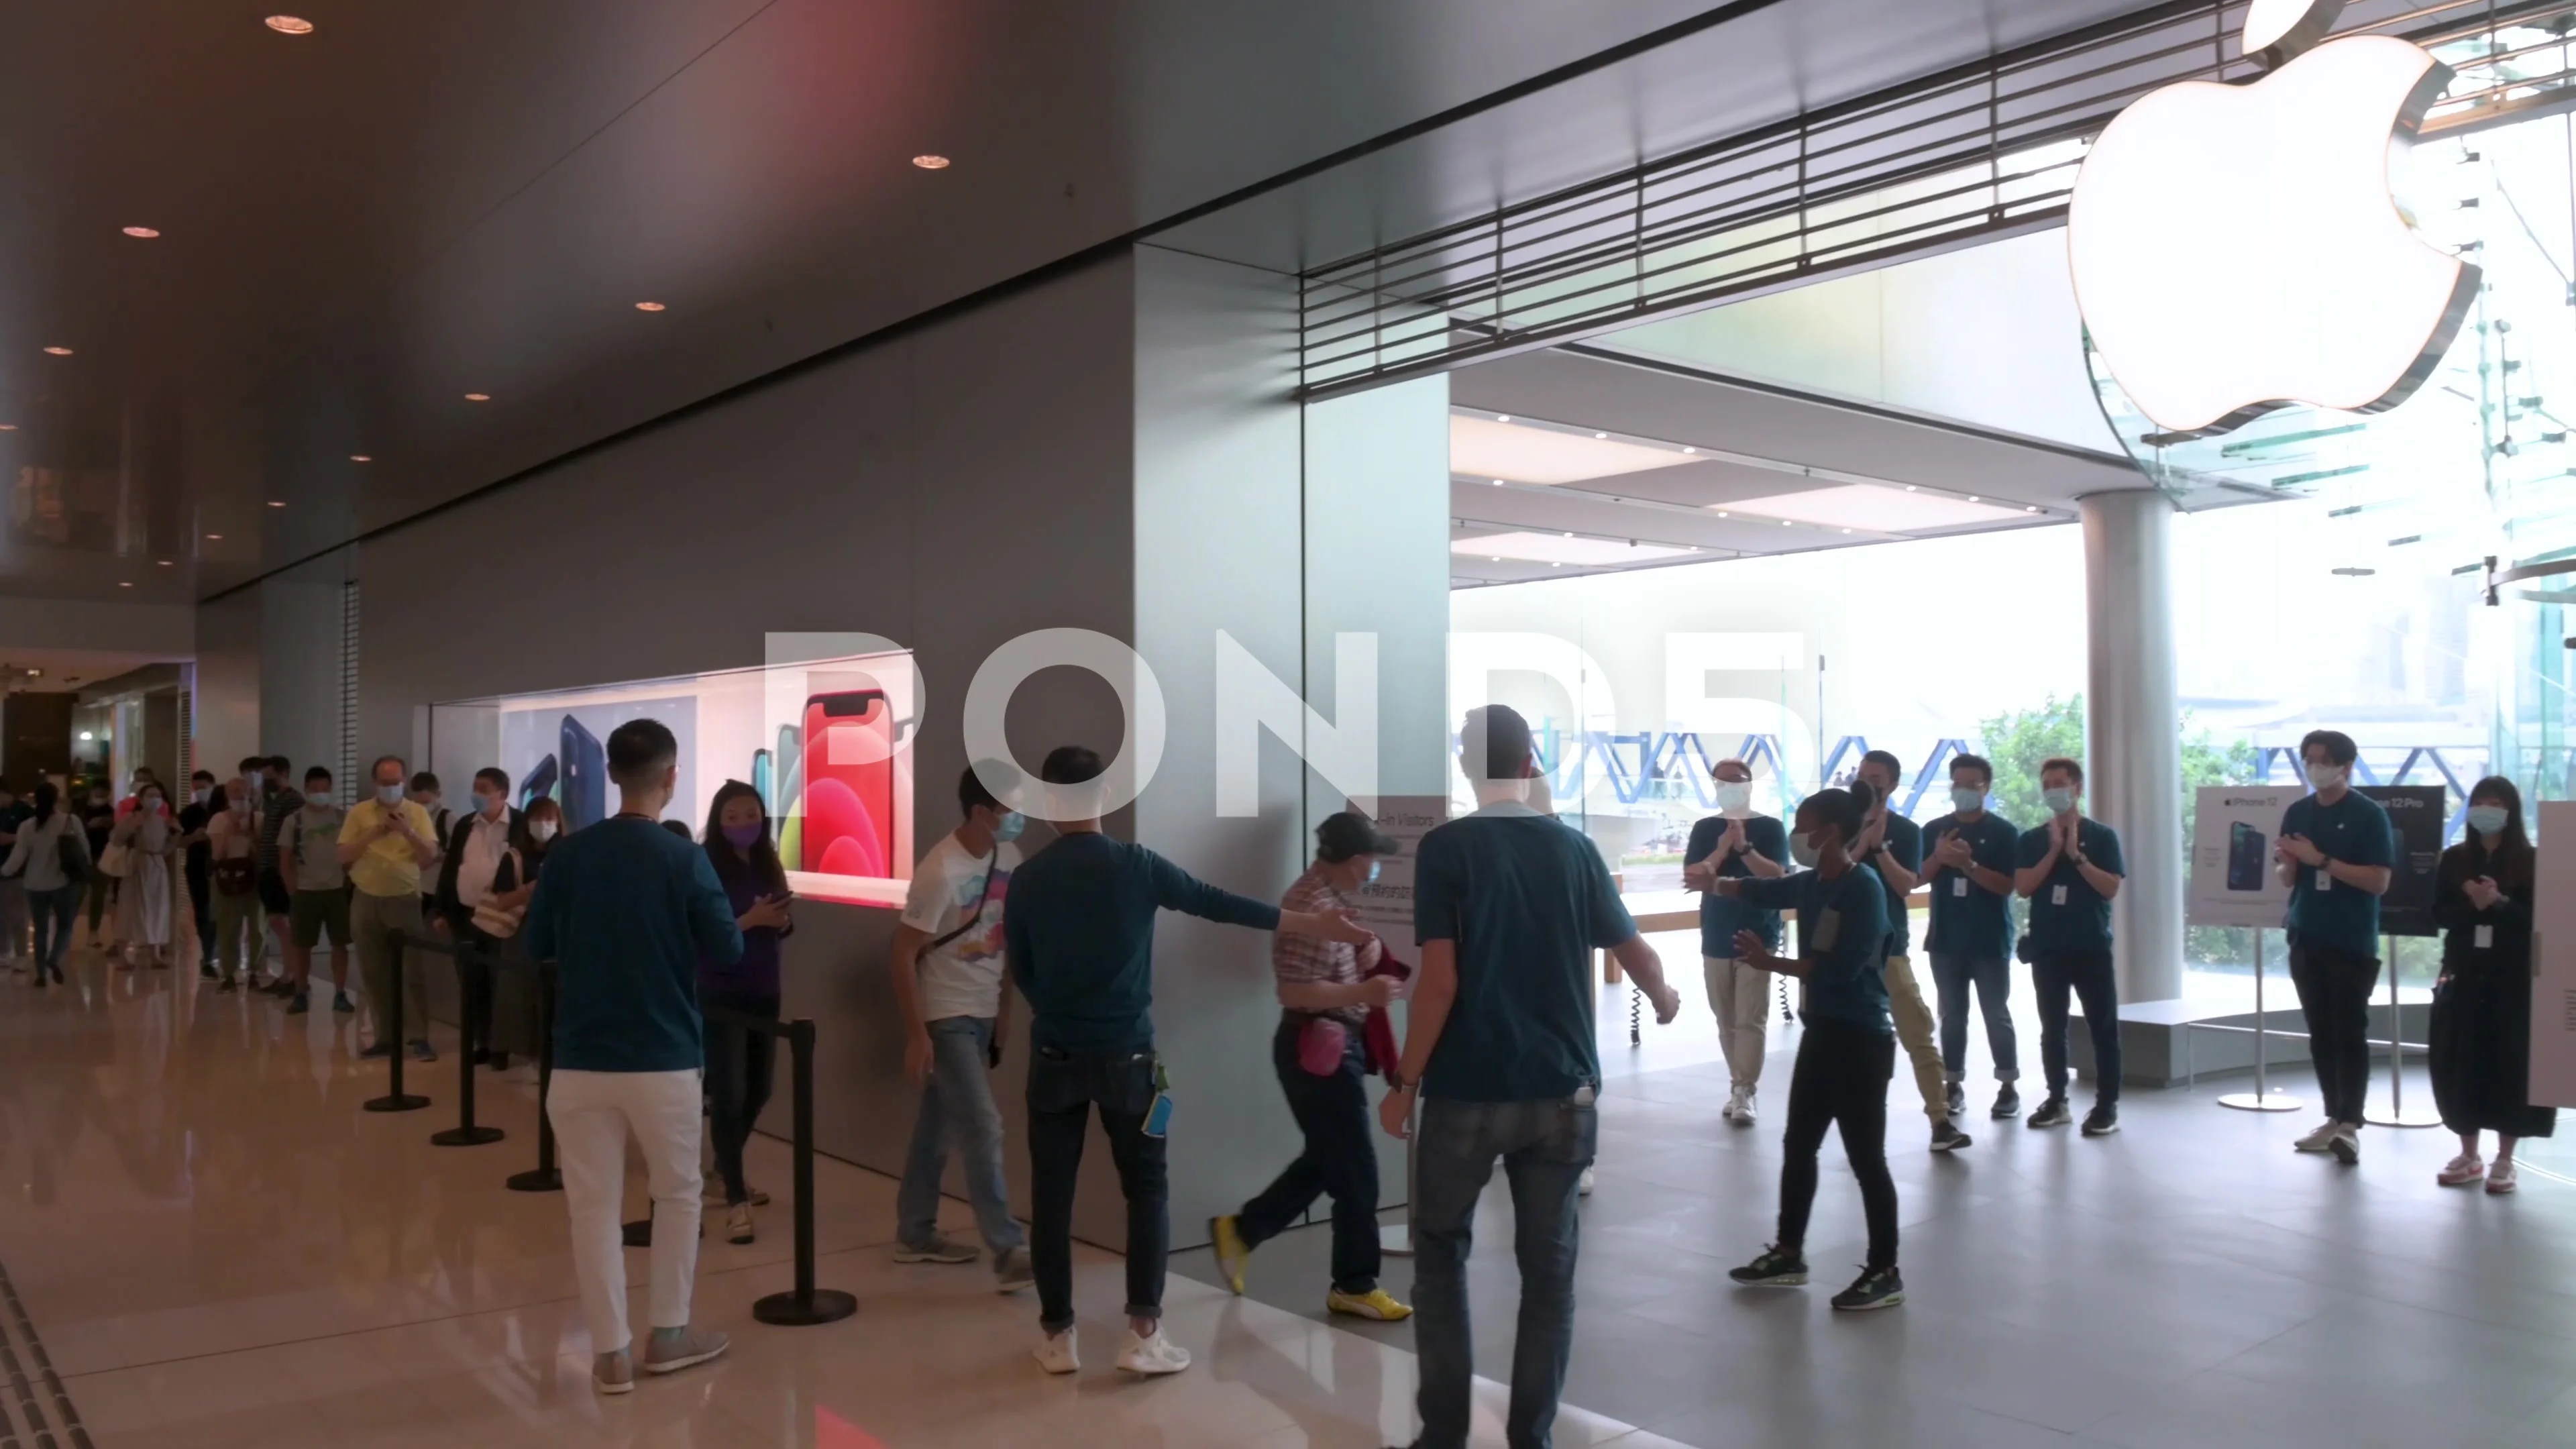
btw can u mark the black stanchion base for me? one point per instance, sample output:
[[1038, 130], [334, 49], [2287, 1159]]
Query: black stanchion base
[[407, 1102], [639, 1233], [536, 1179], [828, 1305], [466, 1136]]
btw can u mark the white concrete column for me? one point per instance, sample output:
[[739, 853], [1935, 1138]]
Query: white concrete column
[[2134, 769]]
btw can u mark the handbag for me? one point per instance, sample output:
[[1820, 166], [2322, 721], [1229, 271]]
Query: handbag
[[73, 853], [114, 859], [1321, 1044], [236, 875]]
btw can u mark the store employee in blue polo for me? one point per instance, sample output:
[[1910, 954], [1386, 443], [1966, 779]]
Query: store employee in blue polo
[[2337, 855]]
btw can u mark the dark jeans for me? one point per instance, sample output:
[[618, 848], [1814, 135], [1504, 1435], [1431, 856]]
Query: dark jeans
[[1840, 1080], [1063, 1088], [1340, 1158], [475, 983], [1544, 1147], [2088, 975], [2334, 991], [738, 1073], [201, 903], [54, 911], [1991, 978]]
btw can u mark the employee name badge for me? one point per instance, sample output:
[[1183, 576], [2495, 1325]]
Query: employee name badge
[[1959, 886], [2057, 896], [2325, 882], [1829, 924], [1158, 1117], [2486, 938]]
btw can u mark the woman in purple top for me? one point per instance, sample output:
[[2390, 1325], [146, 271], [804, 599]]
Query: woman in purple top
[[738, 1059]]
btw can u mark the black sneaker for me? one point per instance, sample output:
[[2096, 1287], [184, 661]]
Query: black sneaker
[[1946, 1137], [422, 1051], [379, 1050], [2052, 1113], [2102, 1121], [227, 985], [282, 986], [1957, 1100], [207, 970], [2007, 1104], [1876, 1288], [299, 1004], [1774, 1269], [341, 1003]]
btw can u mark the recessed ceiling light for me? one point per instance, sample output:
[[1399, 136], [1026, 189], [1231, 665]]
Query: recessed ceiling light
[[290, 25], [1688, 449], [277, 503], [145, 233], [1721, 513], [1498, 558], [931, 163], [1784, 523], [650, 307], [1972, 498], [58, 352], [1498, 482], [360, 458], [1600, 435], [1502, 417], [214, 538], [478, 397], [1846, 530], [2028, 508], [1909, 488], [125, 583], [1569, 533], [8, 427], [165, 563]]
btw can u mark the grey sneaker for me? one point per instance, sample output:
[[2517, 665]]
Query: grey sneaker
[[613, 1373], [938, 1250], [673, 1349], [1012, 1271]]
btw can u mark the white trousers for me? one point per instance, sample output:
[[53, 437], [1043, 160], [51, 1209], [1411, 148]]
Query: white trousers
[[1741, 997], [592, 1113]]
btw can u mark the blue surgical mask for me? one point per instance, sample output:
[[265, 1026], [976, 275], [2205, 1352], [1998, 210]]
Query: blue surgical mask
[[1967, 799], [2059, 800], [318, 799], [389, 795], [1375, 866], [2487, 819], [1008, 828]]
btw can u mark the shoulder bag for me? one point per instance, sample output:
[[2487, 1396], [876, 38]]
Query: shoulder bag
[[493, 920]]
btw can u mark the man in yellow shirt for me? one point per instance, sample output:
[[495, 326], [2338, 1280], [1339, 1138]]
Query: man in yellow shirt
[[385, 843]]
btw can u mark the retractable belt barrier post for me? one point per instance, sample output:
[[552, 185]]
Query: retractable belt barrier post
[[389, 1029], [544, 1177], [466, 1133], [807, 1304]]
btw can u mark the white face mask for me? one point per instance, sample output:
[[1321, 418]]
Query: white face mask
[[2059, 800], [1734, 797], [1967, 799], [2325, 777], [1803, 849], [318, 799], [541, 830], [389, 795]]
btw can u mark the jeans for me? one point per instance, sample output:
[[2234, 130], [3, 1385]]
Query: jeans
[[1913, 1020], [957, 1110], [1063, 1088], [237, 926], [2334, 991], [13, 917], [1840, 1081], [102, 893], [374, 920], [2052, 973], [474, 985], [1544, 1147], [592, 1112], [201, 900], [1991, 976], [55, 910], [740, 1066], [1741, 997], [1340, 1159]]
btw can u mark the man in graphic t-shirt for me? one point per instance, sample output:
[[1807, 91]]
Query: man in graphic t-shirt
[[947, 963]]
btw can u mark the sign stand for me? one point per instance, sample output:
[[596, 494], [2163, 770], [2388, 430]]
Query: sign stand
[[2397, 1115], [2263, 1098]]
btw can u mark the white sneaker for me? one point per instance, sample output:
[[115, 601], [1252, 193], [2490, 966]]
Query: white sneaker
[[2319, 1139], [1060, 1355], [2501, 1180], [2462, 1170], [1744, 1109], [2345, 1144], [1583, 1184], [1152, 1357]]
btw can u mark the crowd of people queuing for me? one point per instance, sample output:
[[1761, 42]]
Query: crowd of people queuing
[[650, 927]]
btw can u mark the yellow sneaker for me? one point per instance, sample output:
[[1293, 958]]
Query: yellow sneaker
[[1233, 1254], [1375, 1303]]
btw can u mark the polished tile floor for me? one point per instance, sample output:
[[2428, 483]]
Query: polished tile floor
[[206, 1244], [2187, 1282]]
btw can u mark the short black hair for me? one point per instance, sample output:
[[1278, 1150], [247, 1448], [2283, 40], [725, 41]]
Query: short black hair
[[1508, 744], [2074, 768], [1072, 765], [1978, 763], [1895, 770], [494, 776], [206, 775], [972, 791], [398, 762], [279, 763], [640, 749], [680, 828], [317, 773], [2339, 748], [1844, 808], [424, 781], [252, 764]]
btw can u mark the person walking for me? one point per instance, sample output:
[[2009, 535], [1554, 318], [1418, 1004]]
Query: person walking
[[194, 817], [1080, 938], [1731, 845], [1509, 905], [2069, 870], [2337, 855], [278, 801], [741, 1063], [1892, 846], [628, 913], [98, 822], [232, 867], [470, 860], [1847, 1052], [50, 857], [150, 911], [308, 854], [385, 844], [948, 983], [2481, 1030], [1320, 1053], [1968, 863]]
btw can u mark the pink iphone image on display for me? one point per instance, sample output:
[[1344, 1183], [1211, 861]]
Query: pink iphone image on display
[[849, 783]]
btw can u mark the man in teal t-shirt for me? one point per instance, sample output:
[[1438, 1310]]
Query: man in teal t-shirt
[[2070, 870], [2337, 854], [1968, 860]]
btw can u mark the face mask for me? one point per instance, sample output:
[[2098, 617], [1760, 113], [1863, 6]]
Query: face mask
[[1734, 797], [1802, 849], [543, 830], [2324, 777], [486, 804], [202, 795], [151, 805], [742, 837], [2487, 819], [241, 804], [1967, 799], [1375, 866], [320, 799], [2059, 800], [1008, 828], [389, 795]]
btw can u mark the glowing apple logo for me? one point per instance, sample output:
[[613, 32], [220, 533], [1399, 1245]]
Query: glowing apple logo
[[2236, 249]]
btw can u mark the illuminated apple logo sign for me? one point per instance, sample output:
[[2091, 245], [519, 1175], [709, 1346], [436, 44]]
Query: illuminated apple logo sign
[[2235, 247]]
